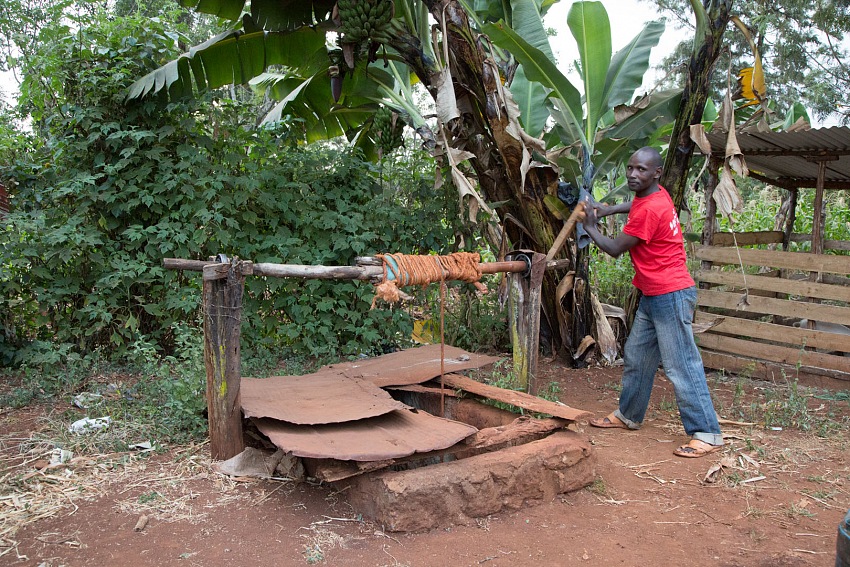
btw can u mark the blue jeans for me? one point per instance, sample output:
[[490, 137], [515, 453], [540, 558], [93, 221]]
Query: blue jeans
[[661, 332]]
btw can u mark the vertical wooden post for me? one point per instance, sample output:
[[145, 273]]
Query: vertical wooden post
[[792, 217], [524, 319], [819, 212], [224, 283]]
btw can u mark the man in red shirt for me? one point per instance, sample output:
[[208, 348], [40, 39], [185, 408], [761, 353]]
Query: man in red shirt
[[661, 331]]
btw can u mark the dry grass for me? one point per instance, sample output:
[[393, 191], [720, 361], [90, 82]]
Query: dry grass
[[31, 489]]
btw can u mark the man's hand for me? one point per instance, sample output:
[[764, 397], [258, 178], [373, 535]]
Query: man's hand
[[591, 214]]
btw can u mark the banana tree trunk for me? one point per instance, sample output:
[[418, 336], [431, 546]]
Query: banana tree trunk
[[694, 97], [486, 130]]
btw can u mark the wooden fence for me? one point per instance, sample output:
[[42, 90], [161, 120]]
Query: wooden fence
[[770, 318]]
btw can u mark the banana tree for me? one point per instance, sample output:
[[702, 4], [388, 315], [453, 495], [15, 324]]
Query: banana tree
[[484, 92], [594, 132]]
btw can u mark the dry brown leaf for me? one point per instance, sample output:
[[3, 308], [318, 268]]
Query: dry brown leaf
[[585, 344], [565, 286], [726, 194], [700, 139], [714, 471], [604, 333]]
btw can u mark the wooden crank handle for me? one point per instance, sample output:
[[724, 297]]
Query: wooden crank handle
[[577, 215]]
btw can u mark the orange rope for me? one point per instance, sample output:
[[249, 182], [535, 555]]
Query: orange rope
[[423, 270]]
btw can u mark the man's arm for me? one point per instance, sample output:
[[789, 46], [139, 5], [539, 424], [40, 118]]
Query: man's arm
[[619, 208], [611, 246]]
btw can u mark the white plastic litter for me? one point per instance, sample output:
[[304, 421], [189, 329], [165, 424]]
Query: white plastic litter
[[89, 424], [59, 456], [84, 400]]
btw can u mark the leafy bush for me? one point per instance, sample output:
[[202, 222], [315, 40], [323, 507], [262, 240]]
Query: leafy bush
[[119, 186]]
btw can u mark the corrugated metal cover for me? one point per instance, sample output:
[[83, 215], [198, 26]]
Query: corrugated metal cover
[[412, 366], [323, 397], [788, 156], [396, 434]]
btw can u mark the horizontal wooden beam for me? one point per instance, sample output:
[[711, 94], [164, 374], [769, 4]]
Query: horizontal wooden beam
[[770, 237], [747, 238], [774, 371], [792, 336], [803, 261], [770, 306], [802, 288], [364, 272], [774, 353]]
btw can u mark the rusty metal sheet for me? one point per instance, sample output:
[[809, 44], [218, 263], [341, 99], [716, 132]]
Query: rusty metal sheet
[[393, 435], [323, 397], [412, 366]]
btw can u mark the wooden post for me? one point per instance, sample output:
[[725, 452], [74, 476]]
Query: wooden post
[[524, 319], [224, 283], [792, 217], [819, 212]]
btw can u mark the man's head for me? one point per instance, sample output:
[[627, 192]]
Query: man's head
[[643, 171]]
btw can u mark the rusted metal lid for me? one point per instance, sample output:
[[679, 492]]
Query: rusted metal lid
[[396, 434], [412, 366], [324, 397]]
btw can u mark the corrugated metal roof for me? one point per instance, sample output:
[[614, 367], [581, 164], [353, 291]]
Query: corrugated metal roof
[[412, 366], [324, 397], [397, 434], [790, 159]]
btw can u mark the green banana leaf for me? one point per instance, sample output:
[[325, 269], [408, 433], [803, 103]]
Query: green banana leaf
[[272, 15], [309, 100], [235, 57], [659, 110], [588, 21], [530, 95], [629, 65]]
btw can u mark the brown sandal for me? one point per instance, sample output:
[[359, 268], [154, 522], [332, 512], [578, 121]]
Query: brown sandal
[[608, 422], [696, 448]]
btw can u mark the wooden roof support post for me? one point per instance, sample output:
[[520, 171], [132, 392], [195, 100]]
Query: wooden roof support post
[[224, 283], [819, 211], [524, 318], [793, 195]]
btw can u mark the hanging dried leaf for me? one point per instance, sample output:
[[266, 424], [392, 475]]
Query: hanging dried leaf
[[726, 193], [700, 139], [734, 156], [726, 117], [445, 102], [606, 338], [565, 286]]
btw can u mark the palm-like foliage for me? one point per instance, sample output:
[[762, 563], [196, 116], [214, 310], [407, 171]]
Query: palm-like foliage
[[496, 99]]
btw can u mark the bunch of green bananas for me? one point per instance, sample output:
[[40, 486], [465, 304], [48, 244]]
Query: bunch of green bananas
[[387, 128], [362, 20]]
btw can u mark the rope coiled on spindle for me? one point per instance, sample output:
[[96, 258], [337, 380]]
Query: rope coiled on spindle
[[423, 270]]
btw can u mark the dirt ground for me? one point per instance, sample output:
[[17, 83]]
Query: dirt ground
[[777, 501]]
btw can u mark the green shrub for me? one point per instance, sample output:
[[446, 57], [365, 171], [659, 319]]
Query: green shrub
[[119, 186]]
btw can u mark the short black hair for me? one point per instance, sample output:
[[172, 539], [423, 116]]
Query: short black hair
[[653, 154]]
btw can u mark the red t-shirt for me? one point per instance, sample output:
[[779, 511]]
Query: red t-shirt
[[659, 258]]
